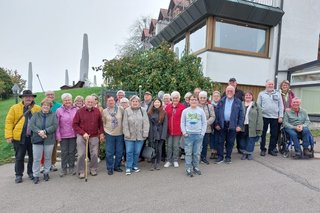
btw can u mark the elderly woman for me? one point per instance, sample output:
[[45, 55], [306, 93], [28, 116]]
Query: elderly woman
[[286, 94], [193, 126], [253, 125], [124, 103], [158, 130], [135, 129], [186, 102], [174, 111], [79, 102], [216, 96], [210, 116], [112, 124], [43, 124], [166, 100], [66, 135]]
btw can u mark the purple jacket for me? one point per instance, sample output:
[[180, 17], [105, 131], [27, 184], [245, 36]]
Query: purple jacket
[[65, 118]]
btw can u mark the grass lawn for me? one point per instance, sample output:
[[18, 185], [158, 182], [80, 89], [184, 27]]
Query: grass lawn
[[6, 150]]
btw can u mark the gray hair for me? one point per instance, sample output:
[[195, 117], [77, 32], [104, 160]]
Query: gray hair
[[203, 94], [216, 92], [90, 97], [66, 95], [175, 94], [124, 100], [121, 91], [188, 95], [166, 95], [135, 97]]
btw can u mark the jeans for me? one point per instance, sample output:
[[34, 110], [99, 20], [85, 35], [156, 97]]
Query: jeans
[[20, 152], [228, 135], [247, 143], [114, 147], [173, 148], [133, 149], [38, 149], [157, 145], [205, 142], [273, 133], [293, 134], [68, 151], [192, 148], [214, 140], [81, 149]]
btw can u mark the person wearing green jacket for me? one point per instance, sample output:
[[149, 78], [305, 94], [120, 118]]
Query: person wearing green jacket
[[43, 126], [296, 122]]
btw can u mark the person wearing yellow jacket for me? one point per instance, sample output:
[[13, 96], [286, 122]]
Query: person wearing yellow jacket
[[18, 133]]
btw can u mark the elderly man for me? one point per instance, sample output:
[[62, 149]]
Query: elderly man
[[229, 121], [87, 124], [17, 131], [271, 104], [296, 122], [147, 100]]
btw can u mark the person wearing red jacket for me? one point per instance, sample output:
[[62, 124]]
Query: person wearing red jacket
[[87, 124], [174, 112]]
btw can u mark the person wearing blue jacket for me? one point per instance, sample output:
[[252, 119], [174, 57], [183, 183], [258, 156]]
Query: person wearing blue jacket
[[229, 121]]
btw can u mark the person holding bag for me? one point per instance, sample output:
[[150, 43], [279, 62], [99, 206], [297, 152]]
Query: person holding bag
[[158, 131], [43, 126]]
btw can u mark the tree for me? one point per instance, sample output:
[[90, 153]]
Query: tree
[[156, 69], [16, 78], [5, 84], [134, 44]]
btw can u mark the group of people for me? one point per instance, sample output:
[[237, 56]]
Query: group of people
[[172, 127]]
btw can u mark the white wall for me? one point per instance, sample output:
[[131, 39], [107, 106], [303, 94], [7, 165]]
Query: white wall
[[247, 70], [300, 33]]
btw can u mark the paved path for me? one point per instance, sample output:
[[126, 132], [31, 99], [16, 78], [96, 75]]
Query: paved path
[[267, 184]]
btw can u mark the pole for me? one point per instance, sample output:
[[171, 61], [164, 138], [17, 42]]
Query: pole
[[40, 82], [140, 86], [86, 161], [16, 94]]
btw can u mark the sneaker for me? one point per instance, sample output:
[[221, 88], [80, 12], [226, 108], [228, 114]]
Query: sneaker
[[182, 157], [36, 180], [218, 161], [167, 164], [62, 173], [81, 176], [189, 173], [93, 173], [42, 169], [110, 172], [53, 168], [175, 164], [273, 153], [227, 161], [31, 176], [72, 171], [157, 167], [250, 157], [136, 169], [128, 172], [244, 156], [46, 177], [205, 161], [197, 171], [118, 169], [18, 179], [263, 153]]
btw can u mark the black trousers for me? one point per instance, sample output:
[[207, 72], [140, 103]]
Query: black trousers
[[157, 145], [273, 122], [20, 152]]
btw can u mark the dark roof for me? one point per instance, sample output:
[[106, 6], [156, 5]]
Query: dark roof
[[152, 26], [163, 14], [246, 11]]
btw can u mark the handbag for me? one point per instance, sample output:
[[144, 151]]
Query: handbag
[[148, 152]]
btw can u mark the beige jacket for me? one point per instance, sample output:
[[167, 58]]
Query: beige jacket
[[135, 124], [107, 119]]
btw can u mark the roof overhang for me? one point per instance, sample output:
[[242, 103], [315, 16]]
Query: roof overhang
[[241, 10]]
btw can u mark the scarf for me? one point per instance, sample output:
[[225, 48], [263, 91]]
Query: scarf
[[246, 120], [114, 120]]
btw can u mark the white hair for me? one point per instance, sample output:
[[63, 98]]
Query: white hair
[[121, 91], [167, 95], [90, 97], [135, 97], [175, 94], [188, 95], [124, 100], [203, 94], [66, 95]]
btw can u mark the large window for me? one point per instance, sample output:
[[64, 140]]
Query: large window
[[180, 47], [198, 38], [240, 38]]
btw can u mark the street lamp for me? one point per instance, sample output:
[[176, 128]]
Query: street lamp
[[140, 87], [15, 89]]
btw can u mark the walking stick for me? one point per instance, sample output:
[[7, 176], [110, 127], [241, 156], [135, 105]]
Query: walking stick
[[86, 160]]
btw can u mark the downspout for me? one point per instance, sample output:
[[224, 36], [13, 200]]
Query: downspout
[[278, 49]]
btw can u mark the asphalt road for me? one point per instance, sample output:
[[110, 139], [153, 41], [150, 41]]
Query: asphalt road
[[266, 184]]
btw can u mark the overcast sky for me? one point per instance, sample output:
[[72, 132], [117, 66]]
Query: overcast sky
[[49, 34]]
